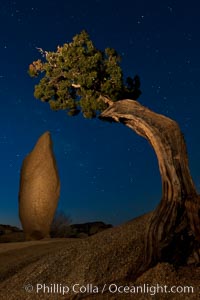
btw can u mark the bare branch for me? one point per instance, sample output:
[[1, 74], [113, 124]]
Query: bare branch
[[76, 86], [105, 100], [43, 52]]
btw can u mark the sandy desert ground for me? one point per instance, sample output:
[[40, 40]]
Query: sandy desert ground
[[106, 258]]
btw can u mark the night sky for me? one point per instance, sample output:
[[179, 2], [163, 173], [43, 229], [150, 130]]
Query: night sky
[[107, 172]]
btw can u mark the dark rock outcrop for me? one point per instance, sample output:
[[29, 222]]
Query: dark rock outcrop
[[87, 229], [39, 189], [10, 233], [6, 229]]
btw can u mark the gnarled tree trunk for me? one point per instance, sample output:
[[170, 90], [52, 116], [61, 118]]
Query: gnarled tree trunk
[[173, 233]]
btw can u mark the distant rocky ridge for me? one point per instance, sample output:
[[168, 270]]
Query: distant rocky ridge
[[10, 233], [87, 229], [6, 229]]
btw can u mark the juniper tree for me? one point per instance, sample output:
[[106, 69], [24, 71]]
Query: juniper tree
[[78, 77]]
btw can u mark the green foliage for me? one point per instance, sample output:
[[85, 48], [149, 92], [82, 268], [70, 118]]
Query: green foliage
[[77, 74]]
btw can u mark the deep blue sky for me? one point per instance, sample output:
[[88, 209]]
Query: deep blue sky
[[107, 172]]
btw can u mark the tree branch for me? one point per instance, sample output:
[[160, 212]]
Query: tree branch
[[105, 100], [76, 86]]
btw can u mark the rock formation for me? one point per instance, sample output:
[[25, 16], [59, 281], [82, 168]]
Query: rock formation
[[87, 229], [39, 189], [10, 233]]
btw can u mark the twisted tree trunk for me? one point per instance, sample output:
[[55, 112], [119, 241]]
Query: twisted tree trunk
[[173, 233]]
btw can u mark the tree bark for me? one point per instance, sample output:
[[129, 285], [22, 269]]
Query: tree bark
[[173, 233]]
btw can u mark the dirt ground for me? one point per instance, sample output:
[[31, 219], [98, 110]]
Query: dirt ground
[[103, 259]]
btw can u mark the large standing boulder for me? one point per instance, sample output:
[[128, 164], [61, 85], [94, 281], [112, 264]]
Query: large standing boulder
[[39, 189]]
